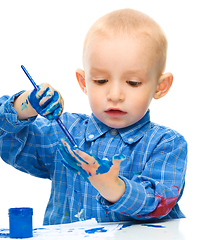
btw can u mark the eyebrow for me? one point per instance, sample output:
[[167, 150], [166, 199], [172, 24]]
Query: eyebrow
[[135, 71], [103, 70], [99, 70]]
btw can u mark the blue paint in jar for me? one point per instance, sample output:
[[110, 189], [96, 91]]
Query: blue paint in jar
[[20, 221]]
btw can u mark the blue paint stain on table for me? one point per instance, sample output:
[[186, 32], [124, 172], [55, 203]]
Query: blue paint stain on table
[[125, 225], [153, 225], [94, 230], [4, 233]]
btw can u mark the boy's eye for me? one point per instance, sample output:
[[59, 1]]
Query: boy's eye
[[101, 81], [134, 84]]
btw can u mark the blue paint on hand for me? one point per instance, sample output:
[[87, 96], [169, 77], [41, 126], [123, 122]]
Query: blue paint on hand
[[71, 163], [24, 105], [74, 162], [51, 108], [104, 165]]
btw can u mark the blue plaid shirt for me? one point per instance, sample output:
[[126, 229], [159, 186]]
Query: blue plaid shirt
[[153, 171]]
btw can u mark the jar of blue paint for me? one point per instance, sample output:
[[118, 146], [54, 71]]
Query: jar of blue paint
[[20, 221]]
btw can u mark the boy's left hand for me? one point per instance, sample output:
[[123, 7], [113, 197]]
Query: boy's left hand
[[102, 173]]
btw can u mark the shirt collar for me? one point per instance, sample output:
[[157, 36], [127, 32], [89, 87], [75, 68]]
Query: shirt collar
[[95, 128], [130, 134]]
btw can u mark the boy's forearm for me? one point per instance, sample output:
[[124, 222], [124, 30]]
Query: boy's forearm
[[23, 107], [112, 192]]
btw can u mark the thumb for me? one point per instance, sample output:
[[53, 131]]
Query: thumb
[[118, 158]]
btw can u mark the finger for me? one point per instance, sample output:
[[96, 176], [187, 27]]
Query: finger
[[78, 170], [58, 111], [34, 101], [67, 145], [79, 158], [69, 167], [46, 97], [71, 164], [42, 89], [55, 114], [67, 157], [62, 101], [85, 157], [73, 151], [84, 174], [52, 106]]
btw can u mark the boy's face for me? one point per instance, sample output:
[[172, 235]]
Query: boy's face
[[120, 80]]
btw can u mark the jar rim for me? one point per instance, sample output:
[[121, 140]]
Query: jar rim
[[21, 211]]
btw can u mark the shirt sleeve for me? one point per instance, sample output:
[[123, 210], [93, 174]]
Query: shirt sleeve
[[9, 122], [24, 144], [154, 192]]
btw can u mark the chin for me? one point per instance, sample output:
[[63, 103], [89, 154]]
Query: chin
[[115, 124]]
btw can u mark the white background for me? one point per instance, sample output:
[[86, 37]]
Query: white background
[[47, 37]]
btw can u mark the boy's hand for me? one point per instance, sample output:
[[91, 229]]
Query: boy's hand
[[102, 174], [46, 101]]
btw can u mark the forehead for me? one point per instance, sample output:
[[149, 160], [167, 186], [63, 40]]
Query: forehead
[[121, 53]]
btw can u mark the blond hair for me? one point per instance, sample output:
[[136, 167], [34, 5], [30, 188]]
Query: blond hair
[[134, 23]]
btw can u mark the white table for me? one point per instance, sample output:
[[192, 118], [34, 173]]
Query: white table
[[180, 229]]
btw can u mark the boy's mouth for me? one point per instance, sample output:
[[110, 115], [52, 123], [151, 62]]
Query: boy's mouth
[[115, 112]]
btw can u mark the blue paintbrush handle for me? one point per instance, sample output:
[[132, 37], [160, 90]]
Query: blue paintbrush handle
[[64, 129], [62, 126], [29, 77]]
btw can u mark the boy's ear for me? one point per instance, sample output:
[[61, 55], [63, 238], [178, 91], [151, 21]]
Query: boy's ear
[[164, 85], [80, 75]]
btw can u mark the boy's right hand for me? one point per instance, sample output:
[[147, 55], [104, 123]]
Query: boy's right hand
[[47, 101]]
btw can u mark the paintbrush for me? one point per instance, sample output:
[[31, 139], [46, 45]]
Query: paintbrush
[[62, 126]]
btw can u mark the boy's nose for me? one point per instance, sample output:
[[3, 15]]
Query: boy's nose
[[115, 94]]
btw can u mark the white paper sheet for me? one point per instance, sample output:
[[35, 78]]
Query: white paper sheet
[[88, 229]]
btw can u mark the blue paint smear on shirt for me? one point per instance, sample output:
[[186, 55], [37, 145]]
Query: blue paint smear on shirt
[[152, 225], [94, 230]]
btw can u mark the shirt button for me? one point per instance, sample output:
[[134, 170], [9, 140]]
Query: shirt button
[[130, 140], [91, 136], [114, 132]]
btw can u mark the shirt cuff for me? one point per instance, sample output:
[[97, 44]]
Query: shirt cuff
[[130, 203], [8, 116]]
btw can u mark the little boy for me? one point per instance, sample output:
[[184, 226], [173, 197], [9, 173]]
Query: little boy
[[125, 167]]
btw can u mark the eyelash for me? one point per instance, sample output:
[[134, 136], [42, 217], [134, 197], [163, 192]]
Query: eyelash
[[134, 84], [131, 83], [100, 82]]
